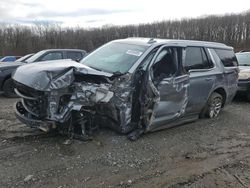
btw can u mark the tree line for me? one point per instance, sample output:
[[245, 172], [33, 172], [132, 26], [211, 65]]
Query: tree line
[[233, 30]]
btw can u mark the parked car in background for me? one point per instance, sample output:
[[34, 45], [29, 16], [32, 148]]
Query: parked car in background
[[55, 54], [244, 74], [24, 58], [9, 58], [21, 59], [132, 86], [6, 69]]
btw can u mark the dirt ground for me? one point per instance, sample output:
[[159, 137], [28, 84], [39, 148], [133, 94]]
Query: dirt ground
[[206, 153]]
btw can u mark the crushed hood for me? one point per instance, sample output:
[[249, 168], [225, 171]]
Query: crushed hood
[[48, 75]]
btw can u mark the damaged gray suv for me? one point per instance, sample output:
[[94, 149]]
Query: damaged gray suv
[[132, 86]]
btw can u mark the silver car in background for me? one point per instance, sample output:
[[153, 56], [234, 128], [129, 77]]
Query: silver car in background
[[244, 74]]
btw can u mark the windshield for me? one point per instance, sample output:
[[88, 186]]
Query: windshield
[[22, 59], [114, 57], [243, 59], [35, 56]]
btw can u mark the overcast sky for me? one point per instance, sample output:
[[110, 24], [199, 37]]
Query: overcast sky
[[95, 13]]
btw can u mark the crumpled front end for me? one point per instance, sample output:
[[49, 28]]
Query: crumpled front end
[[76, 102]]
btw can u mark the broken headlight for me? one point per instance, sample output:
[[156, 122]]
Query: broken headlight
[[62, 81], [94, 93]]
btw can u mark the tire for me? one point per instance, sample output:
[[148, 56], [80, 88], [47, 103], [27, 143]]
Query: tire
[[8, 89], [213, 106]]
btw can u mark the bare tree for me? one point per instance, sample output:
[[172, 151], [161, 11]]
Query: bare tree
[[233, 30]]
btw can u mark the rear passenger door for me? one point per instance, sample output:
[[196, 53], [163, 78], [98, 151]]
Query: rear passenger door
[[202, 77]]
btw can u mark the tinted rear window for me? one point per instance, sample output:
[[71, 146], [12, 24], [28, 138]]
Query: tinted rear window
[[227, 57]]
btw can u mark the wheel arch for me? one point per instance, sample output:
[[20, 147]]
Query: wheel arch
[[8, 76], [219, 90], [223, 93]]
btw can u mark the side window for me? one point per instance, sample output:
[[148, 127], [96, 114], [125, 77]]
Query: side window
[[206, 61], [215, 56], [165, 64], [196, 58], [227, 57], [52, 56], [74, 55]]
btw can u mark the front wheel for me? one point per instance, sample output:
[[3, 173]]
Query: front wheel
[[213, 106]]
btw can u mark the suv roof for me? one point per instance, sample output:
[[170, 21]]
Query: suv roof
[[156, 41]]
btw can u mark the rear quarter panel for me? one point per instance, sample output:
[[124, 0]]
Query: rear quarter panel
[[229, 79]]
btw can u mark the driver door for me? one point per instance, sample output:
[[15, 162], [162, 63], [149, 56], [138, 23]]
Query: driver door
[[172, 84]]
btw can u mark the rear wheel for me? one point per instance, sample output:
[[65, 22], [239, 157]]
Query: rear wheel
[[8, 88], [213, 106]]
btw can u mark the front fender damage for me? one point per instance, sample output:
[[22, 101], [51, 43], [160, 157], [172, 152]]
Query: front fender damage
[[78, 100]]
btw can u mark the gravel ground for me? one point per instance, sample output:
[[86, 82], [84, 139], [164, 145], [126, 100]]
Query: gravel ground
[[206, 153]]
